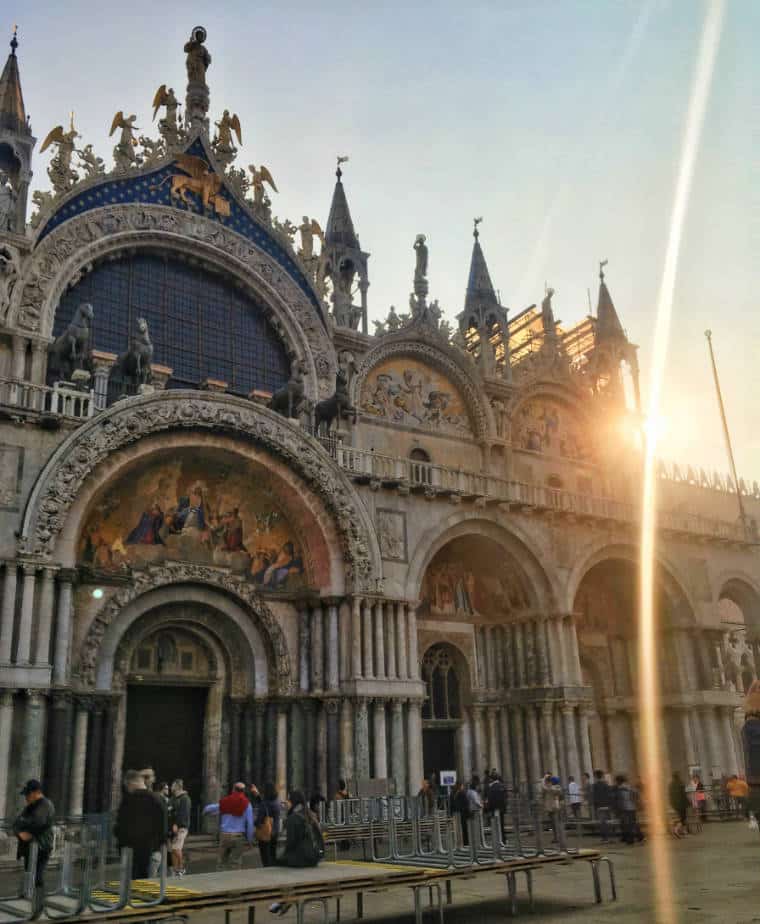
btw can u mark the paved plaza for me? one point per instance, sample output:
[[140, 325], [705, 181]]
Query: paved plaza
[[717, 879]]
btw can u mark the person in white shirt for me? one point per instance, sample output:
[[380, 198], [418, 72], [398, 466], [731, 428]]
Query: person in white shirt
[[574, 796]]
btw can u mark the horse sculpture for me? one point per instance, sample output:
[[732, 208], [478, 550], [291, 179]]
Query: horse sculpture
[[132, 368], [71, 351], [335, 407], [289, 399]]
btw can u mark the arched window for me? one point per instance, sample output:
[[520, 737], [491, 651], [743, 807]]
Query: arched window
[[440, 676], [420, 470], [201, 325]]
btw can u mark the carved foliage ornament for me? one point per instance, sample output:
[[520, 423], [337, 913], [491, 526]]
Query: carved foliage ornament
[[184, 573], [135, 418], [80, 240]]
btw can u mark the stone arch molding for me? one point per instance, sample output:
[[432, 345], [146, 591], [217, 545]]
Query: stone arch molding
[[446, 360], [64, 255], [133, 418], [173, 573]]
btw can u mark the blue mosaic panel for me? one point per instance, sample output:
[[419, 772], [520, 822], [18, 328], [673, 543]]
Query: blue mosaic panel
[[147, 189], [200, 325]]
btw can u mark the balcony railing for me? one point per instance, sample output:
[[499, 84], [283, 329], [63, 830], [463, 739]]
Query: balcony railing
[[57, 401], [366, 465]]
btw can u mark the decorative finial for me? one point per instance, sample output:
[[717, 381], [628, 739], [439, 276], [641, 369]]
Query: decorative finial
[[476, 222], [602, 264], [14, 39], [341, 160]]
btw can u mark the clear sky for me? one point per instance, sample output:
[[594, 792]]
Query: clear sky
[[558, 121]]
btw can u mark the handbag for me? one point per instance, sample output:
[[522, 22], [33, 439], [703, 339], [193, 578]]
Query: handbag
[[264, 830]]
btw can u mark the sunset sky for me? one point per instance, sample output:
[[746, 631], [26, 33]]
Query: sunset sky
[[558, 121]]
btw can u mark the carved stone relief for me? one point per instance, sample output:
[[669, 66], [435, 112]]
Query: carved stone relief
[[391, 534]]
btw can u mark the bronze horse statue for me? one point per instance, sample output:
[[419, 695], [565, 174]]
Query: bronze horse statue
[[132, 368], [289, 400], [335, 407], [71, 351]]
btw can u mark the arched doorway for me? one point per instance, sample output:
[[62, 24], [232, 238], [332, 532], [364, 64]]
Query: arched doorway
[[739, 610], [445, 683]]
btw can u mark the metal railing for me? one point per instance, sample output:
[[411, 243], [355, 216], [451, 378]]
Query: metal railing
[[58, 400]]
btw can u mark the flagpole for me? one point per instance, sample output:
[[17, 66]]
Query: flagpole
[[729, 449]]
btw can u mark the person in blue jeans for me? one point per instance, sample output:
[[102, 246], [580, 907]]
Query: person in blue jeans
[[235, 826]]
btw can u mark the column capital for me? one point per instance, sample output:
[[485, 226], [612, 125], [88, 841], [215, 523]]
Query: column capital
[[361, 704], [237, 703], [547, 708], [67, 575], [36, 697], [332, 706], [50, 571], [6, 697], [61, 698], [396, 704], [567, 708], [30, 568], [332, 601]]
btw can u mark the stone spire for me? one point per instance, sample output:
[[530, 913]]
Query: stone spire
[[608, 324], [16, 146], [343, 262], [480, 296]]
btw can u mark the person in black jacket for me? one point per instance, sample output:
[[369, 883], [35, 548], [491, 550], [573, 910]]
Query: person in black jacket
[[751, 742], [601, 793], [35, 825], [140, 823], [303, 840]]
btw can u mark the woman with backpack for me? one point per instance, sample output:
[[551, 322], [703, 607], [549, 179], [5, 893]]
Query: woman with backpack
[[304, 846], [268, 825]]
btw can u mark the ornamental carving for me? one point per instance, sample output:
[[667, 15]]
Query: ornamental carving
[[135, 418], [64, 254], [437, 356], [186, 573]]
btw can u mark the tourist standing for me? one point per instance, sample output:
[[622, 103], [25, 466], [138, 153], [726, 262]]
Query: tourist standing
[[552, 798], [574, 796], [751, 742], [679, 802], [140, 823], [268, 825], [601, 794], [235, 826], [460, 805], [425, 799], [34, 825], [181, 808], [342, 792], [625, 805]]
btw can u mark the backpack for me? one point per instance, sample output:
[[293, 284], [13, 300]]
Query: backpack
[[314, 845]]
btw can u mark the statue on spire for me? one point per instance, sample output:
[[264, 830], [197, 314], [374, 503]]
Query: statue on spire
[[197, 63]]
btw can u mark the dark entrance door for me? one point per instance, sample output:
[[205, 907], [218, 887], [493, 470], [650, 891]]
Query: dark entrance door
[[165, 731], [438, 750]]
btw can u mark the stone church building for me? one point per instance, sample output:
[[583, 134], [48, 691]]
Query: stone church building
[[243, 537]]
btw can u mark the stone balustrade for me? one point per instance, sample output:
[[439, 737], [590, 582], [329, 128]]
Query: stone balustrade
[[60, 400]]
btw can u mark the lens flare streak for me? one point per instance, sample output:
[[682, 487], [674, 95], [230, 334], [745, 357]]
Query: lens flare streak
[[649, 697]]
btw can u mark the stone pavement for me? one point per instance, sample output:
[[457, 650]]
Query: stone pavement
[[716, 874]]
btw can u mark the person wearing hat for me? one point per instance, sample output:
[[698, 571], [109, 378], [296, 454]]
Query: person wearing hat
[[35, 825], [751, 742]]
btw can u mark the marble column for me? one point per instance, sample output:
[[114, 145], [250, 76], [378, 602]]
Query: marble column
[[6, 726], [556, 649], [551, 758], [401, 643], [518, 745], [490, 637], [33, 735], [45, 617], [414, 655], [398, 765], [236, 710], [282, 750], [317, 649], [322, 749], [501, 676], [494, 756], [39, 361], [356, 637], [24, 647], [390, 640], [480, 658], [304, 650], [507, 772], [333, 746], [296, 777], [535, 769], [542, 652], [571, 746], [620, 743], [585, 735], [690, 755], [18, 361], [259, 744], [94, 757], [732, 764], [529, 642], [333, 646], [8, 613], [517, 647], [78, 758], [379, 625], [57, 760], [480, 753], [107, 762], [347, 740], [369, 667], [361, 740], [715, 743], [309, 709], [63, 627], [414, 743], [574, 657], [507, 671], [379, 736], [246, 762]]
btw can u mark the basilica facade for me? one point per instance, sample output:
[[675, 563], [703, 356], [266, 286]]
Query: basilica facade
[[243, 537]]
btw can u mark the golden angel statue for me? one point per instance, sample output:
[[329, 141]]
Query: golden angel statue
[[124, 153], [309, 229], [62, 177], [223, 145], [259, 177], [164, 97]]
